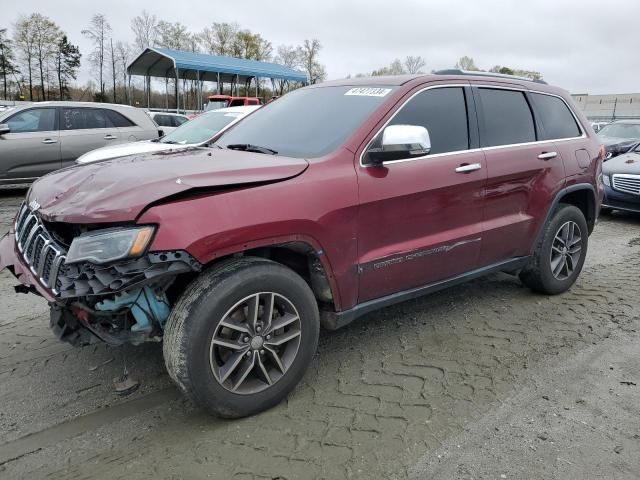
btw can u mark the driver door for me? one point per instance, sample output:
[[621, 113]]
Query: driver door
[[31, 149], [420, 219]]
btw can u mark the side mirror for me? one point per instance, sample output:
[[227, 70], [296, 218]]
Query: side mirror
[[401, 142], [4, 128]]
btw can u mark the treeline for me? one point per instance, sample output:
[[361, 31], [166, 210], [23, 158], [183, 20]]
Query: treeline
[[415, 65], [37, 62]]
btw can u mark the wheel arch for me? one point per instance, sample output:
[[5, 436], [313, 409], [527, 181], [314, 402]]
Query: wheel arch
[[302, 254], [582, 196]]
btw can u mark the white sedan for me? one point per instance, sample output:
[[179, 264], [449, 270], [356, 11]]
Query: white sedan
[[197, 132]]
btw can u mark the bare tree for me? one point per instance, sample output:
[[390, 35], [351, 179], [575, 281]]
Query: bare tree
[[467, 63], [7, 59], [98, 34], [289, 56], [145, 30], [46, 35], [23, 37], [123, 53], [219, 38], [414, 65], [309, 53]]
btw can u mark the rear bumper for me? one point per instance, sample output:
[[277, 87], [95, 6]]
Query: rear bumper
[[11, 259], [620, 201]]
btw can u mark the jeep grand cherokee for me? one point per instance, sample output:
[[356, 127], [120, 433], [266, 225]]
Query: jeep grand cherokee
[[335, 200]]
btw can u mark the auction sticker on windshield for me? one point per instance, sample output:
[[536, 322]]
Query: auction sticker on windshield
[[368, 91]]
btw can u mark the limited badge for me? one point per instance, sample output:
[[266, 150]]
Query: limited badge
[[368, 91]]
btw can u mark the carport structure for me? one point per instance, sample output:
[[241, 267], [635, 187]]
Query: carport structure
[[200, 67]]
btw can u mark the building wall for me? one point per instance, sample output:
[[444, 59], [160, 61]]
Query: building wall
[[609, 107]]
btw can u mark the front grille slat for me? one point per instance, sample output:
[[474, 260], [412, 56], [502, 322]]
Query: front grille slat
[[39, 250], [627, 183]]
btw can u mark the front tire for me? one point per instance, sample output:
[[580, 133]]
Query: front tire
[[241, 336], [559, 255]]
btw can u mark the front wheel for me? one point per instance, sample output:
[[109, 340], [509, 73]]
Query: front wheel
[[560, 254], [241, 336]]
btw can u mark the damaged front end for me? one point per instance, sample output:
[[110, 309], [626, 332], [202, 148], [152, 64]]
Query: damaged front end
[[101, 284]]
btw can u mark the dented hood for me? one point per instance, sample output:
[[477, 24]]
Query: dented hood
[[118, 190]]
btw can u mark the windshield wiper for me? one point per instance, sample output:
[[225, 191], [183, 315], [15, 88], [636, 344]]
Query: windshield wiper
[[170, 142], [247, 147]]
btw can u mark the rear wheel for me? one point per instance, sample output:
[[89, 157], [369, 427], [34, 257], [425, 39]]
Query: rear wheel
[[560, 254], [242, 336]]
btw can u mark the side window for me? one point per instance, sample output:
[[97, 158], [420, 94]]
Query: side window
[[33, 120], [84, 118], [442, 111], [163, 120], [557, 120], [506, 117], [118, 120], [177, 120]]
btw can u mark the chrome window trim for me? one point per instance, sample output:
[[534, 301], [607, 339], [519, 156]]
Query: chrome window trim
[[471, 150]]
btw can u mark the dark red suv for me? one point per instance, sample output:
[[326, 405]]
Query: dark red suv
[[333, 201]]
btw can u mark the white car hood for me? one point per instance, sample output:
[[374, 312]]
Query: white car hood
[[134, 148]]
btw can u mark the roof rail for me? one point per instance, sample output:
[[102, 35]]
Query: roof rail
[[457, 71]]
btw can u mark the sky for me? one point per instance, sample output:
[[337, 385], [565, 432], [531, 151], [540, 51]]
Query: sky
[[585, 46]]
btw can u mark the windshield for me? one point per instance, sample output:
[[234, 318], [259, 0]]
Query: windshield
[[216, 105], [307, 123], [201, 128], [620, 130]]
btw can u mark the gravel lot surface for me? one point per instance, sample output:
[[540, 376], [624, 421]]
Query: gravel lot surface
[[484, 380]]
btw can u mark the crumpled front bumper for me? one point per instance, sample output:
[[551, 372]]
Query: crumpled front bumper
[[11, 259]]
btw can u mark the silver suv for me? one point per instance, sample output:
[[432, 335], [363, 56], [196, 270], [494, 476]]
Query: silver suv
[[41, 137]]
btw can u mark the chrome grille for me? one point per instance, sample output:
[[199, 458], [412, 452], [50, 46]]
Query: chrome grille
[[627, 183], [43, 255]]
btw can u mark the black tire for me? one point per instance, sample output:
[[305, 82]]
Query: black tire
[[195, 319], [538, 274]]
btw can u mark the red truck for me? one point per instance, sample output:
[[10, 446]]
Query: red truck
[[223, 101], [338, 199]]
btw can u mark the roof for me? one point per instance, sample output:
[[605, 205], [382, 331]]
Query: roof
[[443, 75], [163, 62]]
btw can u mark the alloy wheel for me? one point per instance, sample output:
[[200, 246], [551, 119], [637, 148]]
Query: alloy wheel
[[566, 250], [255, 343]]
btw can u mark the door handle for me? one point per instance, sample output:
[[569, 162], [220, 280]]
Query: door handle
[[468, 167], [547, 155], [48, 141], [110, 137]]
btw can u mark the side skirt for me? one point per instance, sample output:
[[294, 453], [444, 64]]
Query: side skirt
[[335, 320]]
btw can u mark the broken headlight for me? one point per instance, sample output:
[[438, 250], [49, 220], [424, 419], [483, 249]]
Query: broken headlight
[[109, 245]]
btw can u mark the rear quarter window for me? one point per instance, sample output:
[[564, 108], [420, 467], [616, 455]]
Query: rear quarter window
[[557, 120], [506, 118], [119, 120]]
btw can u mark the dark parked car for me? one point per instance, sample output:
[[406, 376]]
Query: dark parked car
[[621, 177], [42, 137], [620, 136], [334, 200]]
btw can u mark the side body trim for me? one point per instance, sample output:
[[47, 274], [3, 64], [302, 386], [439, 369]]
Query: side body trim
[[335, 320]]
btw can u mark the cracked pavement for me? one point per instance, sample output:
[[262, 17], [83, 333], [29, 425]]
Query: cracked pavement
[[446, 386]]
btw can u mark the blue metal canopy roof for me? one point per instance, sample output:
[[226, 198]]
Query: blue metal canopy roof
[[164, 62]]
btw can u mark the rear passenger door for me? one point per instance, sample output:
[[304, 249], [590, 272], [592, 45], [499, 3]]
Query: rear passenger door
[[420, 219], [523, 172], [128, 131], [82, 130]]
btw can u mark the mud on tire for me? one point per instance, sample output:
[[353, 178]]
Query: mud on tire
[[545, 272]]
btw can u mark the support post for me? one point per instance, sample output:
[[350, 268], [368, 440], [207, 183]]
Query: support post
[[177, 91]]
